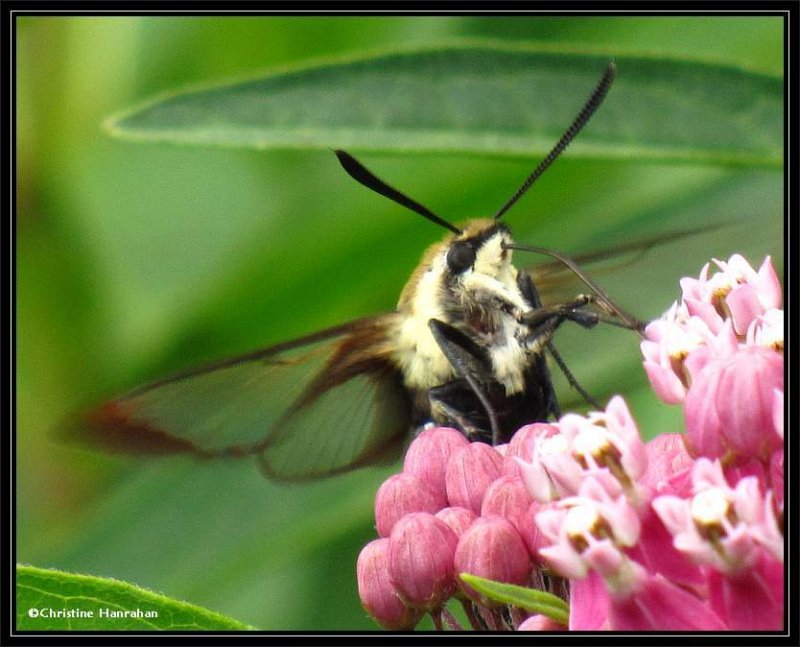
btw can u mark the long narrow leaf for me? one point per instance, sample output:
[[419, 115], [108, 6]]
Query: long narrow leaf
[[532, 600], [50, 600], [483, 99]]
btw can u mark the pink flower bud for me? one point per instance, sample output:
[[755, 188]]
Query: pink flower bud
[[530, 533], [748, 382], [428, 454], [668, 465], [378, 596], [470, 471], [507, 497], [730, 404], [421, 550], [540, 623], [459, 519], [492, 548], [400, 495]]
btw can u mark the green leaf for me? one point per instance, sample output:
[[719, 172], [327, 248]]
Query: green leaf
[[483, 99], [532, 600], [84, 602]]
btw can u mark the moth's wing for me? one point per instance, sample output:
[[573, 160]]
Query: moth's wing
[[556, 283], [309, 408], [335, 428]]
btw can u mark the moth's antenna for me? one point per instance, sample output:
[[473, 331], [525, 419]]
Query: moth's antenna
[[360, 174], [594, 101]]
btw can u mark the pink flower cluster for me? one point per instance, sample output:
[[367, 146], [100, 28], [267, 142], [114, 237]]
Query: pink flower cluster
[[719, 351], [684, 532], [457, 507], [651, 537]]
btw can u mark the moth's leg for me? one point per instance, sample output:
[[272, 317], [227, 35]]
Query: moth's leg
[[445, 412], [531, 295], [545, 331], [570, 377], [540, 315], [546, 321], [470, 363], [574, 310], [528, 290]]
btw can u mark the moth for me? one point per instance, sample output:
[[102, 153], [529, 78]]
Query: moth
[[467, 347]]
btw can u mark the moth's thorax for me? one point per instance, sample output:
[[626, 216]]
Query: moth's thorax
[[482, 301]]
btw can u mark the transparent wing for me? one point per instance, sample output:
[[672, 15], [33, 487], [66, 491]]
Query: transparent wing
[[361, 421], [311, 407], [556, 283]]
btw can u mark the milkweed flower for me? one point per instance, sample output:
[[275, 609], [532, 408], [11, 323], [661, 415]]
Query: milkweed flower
[[604, 446], [378, 595], [728, 528], [734, 532], [670, 351], [710, 501], [767, 330], [683, 532], [735, 292], [736, 304]]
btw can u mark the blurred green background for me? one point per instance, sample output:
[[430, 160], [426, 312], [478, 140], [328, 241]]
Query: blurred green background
[[134, 260]]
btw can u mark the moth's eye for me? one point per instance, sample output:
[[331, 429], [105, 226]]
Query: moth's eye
[[460, 257]]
